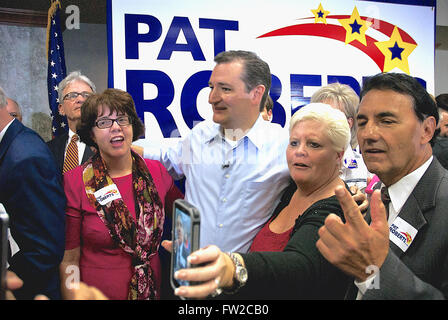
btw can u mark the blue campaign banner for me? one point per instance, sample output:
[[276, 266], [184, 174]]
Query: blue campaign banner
[[162, 52]]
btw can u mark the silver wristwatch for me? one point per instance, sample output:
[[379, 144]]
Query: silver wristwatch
[[240, 276]]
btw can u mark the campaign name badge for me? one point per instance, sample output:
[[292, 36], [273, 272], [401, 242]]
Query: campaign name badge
[[353, 164], [402, 233], [107, 194]]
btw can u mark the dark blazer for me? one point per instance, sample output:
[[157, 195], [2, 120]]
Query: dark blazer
[[57, 147], [32, 193], [422, 271], [440, 150]]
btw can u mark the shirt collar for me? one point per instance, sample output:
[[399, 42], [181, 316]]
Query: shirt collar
[[70, 134], [400, 191], [255, 134], [2, 133]]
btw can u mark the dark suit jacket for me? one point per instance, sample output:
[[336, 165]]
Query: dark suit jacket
[[440, 150], [422, 271], [32, 193], [57, 147]]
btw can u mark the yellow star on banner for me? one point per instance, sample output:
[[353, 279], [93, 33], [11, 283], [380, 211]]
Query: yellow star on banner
[[396, 52], [320, 15], [356, 28]]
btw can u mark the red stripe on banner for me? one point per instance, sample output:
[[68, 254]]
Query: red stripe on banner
[[382, 26], [332, 32]]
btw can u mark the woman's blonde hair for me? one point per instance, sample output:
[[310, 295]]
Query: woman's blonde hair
[[345, 97], [335, 123]]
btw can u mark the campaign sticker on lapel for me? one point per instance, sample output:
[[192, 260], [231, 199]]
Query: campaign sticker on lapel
[[402, 233], [107, 194]]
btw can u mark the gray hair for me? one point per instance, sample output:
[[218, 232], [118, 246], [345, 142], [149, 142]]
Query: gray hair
[[73, 77], [345, 97], [256, 71], [3, 101], [336, 125]]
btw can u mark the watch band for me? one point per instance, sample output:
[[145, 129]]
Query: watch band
[[240, 276]]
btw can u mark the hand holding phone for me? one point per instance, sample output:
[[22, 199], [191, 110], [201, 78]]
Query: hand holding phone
[[185, 235]]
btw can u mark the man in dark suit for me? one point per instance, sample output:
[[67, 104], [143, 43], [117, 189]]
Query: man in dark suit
[[72, 92], [403, 253], [32, 194], [440, 148]]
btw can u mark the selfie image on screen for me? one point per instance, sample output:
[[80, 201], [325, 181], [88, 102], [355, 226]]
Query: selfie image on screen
[[182, 242]]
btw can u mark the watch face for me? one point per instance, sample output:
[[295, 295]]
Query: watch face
[[242, 275]]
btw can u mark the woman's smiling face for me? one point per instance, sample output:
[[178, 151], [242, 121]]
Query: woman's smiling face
[[115, 141]]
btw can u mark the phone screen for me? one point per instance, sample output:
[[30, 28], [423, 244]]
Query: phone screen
[[182, 242]]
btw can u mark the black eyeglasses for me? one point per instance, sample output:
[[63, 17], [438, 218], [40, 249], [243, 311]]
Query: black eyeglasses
[[74, 95], [107, 123]]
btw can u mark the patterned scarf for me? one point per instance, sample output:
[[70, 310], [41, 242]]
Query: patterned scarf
[[140, 240]]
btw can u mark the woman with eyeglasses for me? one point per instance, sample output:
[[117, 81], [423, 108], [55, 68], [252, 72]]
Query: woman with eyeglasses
[[115, 205]]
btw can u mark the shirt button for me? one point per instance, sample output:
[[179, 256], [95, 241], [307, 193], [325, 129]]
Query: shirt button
[[224, 200], [227, 176], [220, 225]]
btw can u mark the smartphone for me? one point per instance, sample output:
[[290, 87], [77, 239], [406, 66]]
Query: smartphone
[[185, 237], [4, 222]]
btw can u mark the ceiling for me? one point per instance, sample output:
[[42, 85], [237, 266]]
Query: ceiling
[[95, 11], [90, 11]]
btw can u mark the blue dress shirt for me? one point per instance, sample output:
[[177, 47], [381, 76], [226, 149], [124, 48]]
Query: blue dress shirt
[[235, 188]]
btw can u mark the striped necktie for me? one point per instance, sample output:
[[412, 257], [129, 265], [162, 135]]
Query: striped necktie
[[71, 160]]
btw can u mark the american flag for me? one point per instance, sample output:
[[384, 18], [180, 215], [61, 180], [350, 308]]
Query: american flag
[[56, 67]]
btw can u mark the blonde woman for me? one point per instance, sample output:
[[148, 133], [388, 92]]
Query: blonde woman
[[292, 268]]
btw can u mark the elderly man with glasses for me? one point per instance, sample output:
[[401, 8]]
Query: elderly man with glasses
[[67, 149]]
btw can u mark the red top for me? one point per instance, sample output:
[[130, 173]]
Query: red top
[[103, 264], [266, 240]]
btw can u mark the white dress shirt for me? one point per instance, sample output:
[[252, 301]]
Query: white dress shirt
[[81, 146], [235, 187], [399, 192]]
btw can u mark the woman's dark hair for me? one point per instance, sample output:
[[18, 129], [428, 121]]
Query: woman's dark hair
[[116, 100], [424, 105]]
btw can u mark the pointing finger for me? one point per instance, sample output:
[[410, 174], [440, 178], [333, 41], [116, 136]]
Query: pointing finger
[[352, 213], [378, 213]]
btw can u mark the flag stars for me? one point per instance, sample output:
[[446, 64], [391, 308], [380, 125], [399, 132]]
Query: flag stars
[[56, 72]]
